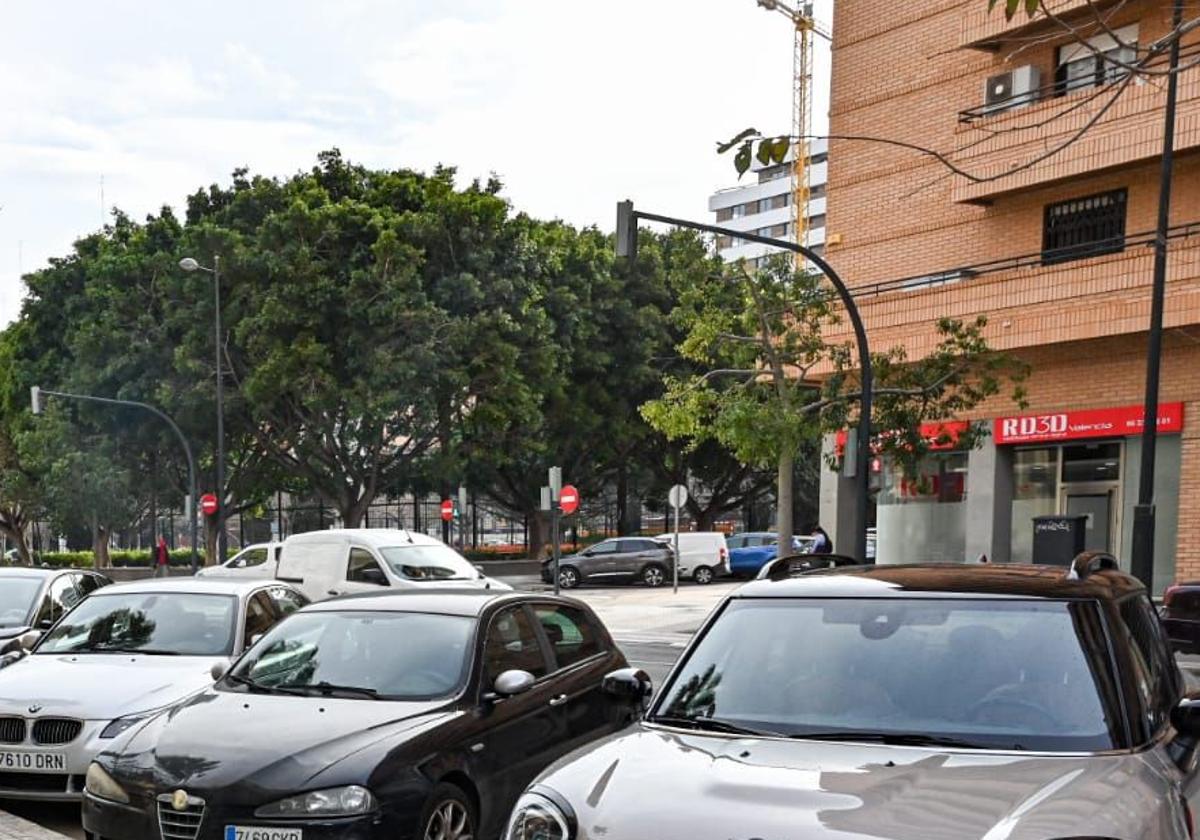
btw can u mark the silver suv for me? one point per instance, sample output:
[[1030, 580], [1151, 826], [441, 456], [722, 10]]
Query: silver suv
[[617, 560], [901, 702]]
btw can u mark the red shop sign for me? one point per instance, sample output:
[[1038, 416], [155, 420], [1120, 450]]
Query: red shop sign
[[1089, 423], [938, 435]]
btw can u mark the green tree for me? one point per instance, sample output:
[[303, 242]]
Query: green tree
[[768, 384]]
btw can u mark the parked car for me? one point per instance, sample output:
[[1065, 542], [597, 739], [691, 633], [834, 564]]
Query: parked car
[[331, 728], [119, 656], [323, 564], [750, 551], [901, 702], [702, 554], [260, 560], [1181, 616], [616, 560], [31, 600]]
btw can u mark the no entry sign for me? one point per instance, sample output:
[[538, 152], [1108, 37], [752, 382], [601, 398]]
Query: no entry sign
[[568, 499], [447, 510], [208, 504]]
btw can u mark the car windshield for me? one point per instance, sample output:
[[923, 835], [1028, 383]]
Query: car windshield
[[16, 599], [389, 655], [165, 623], [997, 674], [428, 562]]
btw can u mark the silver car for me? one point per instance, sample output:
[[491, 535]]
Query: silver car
[[125, 652], [909, 703]]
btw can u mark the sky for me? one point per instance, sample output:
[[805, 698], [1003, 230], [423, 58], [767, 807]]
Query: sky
[[574, 105]]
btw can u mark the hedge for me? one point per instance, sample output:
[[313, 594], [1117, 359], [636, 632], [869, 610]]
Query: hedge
[[119, 558]]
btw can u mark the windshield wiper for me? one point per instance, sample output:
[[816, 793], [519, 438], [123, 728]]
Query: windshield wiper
[[254, 685], [327, 689], [120, 649], [708, 724], [902, 739]]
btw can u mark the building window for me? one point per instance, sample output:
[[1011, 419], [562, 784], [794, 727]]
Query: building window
[[724, 242], [771, 173], [818, 158], [1084, 66], [817, 221], [816, 191], [724, 214], [1084, 227], [780, 230], [737, 211]]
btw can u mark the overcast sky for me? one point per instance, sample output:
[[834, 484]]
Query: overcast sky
[[573, 104]]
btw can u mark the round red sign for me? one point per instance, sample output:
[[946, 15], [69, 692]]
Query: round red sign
[[209, 504], [447, 510], [568, 499]]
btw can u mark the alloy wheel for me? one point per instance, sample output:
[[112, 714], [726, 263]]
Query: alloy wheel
[[449, 821], [568, 578], [703, 575], [653, 576]]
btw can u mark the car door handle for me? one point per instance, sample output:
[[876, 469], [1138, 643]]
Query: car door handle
[[333, 592], [559, 700]]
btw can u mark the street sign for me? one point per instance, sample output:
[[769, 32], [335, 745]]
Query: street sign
[[678, 496], [447, 510], [568, 498], [209, 504]]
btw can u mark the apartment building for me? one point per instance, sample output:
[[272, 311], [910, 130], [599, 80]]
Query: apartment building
[[1055, 247], [763, 205]]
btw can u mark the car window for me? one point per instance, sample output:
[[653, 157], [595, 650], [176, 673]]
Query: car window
[[185, 623], [572, 636], [428, 562], [359, 648], [88, 583], [1154, 670], [260, 615], [60, 597], [17, 598], [639, 545], [606, 547], [993, 674], [361, 561], [250, 558], [287, 601], [736, 541], [512, 644]]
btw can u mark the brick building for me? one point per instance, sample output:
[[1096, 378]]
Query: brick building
[[1057, 254]]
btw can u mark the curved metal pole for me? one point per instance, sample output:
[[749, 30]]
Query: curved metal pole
[[863, 443], [187, 450]]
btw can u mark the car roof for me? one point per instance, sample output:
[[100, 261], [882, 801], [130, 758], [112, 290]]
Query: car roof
[[467, 602], [35, 571], [944, 580], [374, 537], [192, 585]]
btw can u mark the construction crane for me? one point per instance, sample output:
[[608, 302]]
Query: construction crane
[[805, 26]]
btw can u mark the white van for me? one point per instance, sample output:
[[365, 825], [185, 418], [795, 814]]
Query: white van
[[324, 564], [702, 554], [254, 561]]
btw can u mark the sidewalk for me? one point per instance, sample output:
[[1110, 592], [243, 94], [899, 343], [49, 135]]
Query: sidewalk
[[15, 828]]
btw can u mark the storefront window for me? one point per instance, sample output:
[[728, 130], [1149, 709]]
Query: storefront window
[[922, 518], [1035, 492]]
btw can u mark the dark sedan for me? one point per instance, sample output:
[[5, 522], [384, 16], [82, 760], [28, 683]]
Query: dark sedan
[[32, 599], [1181, 616], [400, 715]]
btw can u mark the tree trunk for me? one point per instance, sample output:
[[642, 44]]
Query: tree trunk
[[15, 526], [539, 533], [212, 527], [783, 503], [623, 528], [100, 558]]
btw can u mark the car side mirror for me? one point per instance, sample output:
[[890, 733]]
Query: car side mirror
[[219, 669], [45, 624], [632, 684], [478, 568], [509, 684], [28, 640], [375, 576]]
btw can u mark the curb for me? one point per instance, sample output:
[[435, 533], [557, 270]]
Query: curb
[[16, 828]]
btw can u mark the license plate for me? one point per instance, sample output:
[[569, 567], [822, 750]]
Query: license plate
[[33, 762], [261, 832]]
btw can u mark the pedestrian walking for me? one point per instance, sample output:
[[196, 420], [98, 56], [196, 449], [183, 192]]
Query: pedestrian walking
[[822, 542], [162, 558]]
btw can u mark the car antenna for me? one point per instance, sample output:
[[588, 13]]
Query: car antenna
[[406, 534]]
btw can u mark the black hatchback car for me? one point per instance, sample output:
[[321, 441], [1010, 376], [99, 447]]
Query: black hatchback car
[[371, 716]]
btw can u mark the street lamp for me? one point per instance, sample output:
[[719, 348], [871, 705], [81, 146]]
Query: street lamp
[[36, 394], [627, 219], [189, 265]]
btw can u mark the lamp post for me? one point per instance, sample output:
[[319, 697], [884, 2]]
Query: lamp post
[[627, 219], [37, 393], [188, 264]]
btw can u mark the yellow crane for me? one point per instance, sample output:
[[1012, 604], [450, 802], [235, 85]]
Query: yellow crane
[[805, 25]]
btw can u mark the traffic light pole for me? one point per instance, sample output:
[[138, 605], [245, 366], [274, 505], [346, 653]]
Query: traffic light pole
[[37, 392], [627, 219]]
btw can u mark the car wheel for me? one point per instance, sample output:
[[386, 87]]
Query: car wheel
[[702, 575], [568, 577], [654, 575], [449, 815]]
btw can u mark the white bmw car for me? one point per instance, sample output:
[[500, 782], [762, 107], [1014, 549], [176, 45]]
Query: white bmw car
[[126, 651]]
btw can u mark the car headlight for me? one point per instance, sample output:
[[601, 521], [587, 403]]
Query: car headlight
[[347, 801], [541, 816], [97, 782], [119, 725]]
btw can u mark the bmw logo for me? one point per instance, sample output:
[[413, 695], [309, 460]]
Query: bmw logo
[[179, 800], [34, 709]]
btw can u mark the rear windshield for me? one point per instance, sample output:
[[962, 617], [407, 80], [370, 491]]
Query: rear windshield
[[994, 674]]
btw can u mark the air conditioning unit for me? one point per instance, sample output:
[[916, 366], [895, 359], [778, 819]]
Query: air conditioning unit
[[1014, 89]]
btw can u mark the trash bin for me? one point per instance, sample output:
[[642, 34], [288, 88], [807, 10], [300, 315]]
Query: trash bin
[[1057, 539]]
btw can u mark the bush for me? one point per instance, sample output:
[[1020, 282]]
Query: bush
[[120, 558]]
